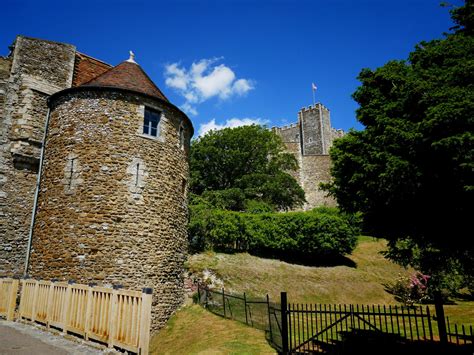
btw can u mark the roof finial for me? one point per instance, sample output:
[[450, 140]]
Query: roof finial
[[132, 58]]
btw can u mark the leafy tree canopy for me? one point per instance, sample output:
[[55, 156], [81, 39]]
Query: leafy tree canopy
[[410, 171], [233, 166]]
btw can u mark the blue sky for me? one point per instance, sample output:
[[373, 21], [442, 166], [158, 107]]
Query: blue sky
[[228, 62]]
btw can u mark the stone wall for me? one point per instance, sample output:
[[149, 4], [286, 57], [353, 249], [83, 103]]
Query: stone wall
[[112, 204], [38, 68], [315, 169]]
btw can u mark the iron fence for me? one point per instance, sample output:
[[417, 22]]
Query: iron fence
[[323, 328]]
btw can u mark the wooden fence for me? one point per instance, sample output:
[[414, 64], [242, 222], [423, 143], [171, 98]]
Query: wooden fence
[[117, 317], [8, 292]]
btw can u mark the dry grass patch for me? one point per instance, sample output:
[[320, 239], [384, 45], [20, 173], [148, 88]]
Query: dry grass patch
[[362, 284], [193, 330]]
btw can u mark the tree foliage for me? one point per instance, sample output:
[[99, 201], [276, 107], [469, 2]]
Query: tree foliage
[[410, 171], [232, 166]]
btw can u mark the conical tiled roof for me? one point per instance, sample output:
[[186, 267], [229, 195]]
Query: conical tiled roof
[[128, 75]]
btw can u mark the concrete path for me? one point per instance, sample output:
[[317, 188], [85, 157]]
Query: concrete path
[[24, 339]]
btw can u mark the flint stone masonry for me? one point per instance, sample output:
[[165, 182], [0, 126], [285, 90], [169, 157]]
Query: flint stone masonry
[[32, 71], [121, 225], [309, 140]]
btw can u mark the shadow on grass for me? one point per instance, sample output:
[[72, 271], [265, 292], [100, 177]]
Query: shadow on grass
[[370, 342], [307, 259]]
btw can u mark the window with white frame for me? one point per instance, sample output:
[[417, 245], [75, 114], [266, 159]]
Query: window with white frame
[[151, 122]]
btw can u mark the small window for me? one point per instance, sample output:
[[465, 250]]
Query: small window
[[181, 137], [151, 123], [310, 140]]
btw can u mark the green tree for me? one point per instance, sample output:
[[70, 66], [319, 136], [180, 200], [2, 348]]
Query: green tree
[[233, 165], [410, 171]]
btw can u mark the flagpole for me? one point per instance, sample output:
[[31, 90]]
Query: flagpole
[[314, 100]]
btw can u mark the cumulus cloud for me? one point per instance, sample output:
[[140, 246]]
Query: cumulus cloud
[[230, 123], [204, 80]]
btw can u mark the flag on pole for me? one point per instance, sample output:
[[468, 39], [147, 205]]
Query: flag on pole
[[314, 86]]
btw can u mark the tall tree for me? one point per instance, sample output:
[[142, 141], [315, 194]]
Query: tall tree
[[410, 171], [247, 161]]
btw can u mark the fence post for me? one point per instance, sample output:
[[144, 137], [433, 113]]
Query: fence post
[[245, 307], [88, 311], [12, 304], [145, 321], [223, 301], [35, 299], [269, 319], [113, 315], [443, 335], [199, 293], [284, 323], [50, 303]]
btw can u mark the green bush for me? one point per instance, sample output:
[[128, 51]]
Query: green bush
[[322, 233]]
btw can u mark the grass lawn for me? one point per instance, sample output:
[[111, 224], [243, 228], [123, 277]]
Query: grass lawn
[[193, 330]]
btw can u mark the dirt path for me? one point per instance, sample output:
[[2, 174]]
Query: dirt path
[[22, 339]]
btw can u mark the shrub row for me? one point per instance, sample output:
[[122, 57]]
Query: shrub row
[[319, 232]]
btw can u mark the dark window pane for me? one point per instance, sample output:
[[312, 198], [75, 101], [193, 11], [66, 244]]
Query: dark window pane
[[151, 121]]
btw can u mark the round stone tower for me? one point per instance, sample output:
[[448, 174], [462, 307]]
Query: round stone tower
[[112, 200]]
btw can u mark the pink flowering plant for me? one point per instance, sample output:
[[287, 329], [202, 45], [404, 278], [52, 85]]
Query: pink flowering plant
[[411, 290]]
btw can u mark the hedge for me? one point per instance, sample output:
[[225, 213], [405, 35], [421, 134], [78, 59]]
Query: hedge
[[319, 232]]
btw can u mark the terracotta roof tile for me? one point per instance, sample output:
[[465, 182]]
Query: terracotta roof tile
[[87, 68], [128, 75]]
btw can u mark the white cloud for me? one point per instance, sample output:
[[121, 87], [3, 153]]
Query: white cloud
[[204, 80], [230, 123], [189, 109]]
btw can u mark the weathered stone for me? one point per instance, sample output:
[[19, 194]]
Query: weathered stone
[[148, 247], [33, 70]]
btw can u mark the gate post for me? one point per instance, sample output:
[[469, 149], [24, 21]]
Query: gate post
[[443, 335], [284, 323]]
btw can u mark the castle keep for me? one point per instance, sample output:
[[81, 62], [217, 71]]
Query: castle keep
[[310, 140], [111, 204]]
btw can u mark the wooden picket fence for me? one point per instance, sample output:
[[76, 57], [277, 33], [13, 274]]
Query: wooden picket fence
[[116, 317], [8, 292]]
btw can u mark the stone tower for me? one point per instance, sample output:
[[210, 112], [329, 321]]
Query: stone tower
[[315, 130], [112, 200], [309, 140]]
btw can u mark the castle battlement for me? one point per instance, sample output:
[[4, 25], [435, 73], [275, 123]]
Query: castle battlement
[[314, 107]]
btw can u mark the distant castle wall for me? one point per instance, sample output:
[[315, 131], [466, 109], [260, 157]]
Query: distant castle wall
[[310, 140]]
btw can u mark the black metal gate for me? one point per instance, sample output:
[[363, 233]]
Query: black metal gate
[[341, 329]]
